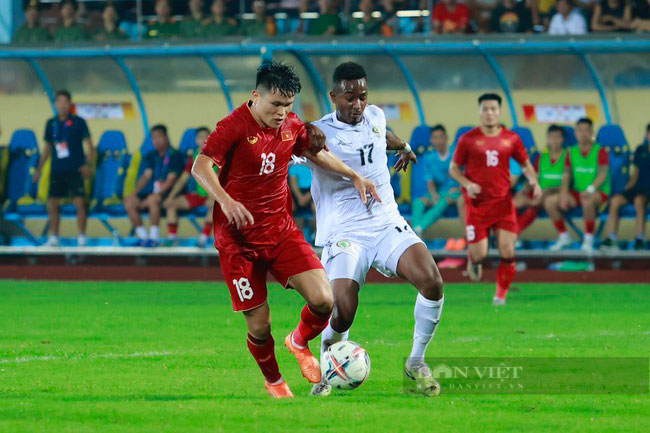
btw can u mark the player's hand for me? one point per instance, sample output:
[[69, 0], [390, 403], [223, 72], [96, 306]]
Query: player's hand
[[36, 175], [86, 171], [317, 139], [564, 201], [473, 189], [365, 187], [537, 191], [304, 199], [435, 198], [237, 214], [404, 159]]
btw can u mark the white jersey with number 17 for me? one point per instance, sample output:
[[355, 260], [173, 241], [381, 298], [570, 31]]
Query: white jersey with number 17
[[362, 147]]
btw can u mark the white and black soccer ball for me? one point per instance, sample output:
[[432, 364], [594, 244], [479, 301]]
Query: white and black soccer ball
[[345, 365]]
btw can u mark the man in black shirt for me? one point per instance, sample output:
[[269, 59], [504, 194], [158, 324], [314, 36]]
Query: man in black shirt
[[65, 135]]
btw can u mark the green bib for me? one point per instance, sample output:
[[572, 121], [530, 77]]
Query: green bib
[[550, 174], [199, 189], [585, 169]]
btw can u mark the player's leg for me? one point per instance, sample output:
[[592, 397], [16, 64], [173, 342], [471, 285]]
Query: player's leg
[[640, 205], [54, 216], [477, 250], [154, 203], [506, 272], [556, 214], [82, 218], [172, 207], [590, 203], [133, 205], [346, 301], [613, 219], [420, 206]]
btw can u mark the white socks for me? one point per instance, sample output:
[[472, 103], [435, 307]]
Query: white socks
[[427, 316], [154, 233], [329, 336], [141, 233]]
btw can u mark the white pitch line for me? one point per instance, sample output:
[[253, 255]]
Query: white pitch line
[[24, 359]]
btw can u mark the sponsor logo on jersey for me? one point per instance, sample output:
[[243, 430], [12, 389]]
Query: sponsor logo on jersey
[[252, 139], [286, 135], [343, 243], [376, 130], [505, 142]]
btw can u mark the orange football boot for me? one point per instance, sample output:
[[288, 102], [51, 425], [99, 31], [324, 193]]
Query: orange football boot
[[281, 390], [309, 366]]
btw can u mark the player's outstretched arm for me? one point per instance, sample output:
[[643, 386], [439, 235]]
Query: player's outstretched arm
[[531, 175], [330, 162], [473, 189], [204, 174], [393, 142]]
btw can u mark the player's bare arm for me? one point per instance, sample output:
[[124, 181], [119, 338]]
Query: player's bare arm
[[204, 174], [168, 183], [601, 177], [531, 175], [87, 169], [328, 161], [393, 142], [564, 188], [47, 151], [473, 189], [178, 187], [142, 182]]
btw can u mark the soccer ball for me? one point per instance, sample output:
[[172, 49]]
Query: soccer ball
[[345, 365]]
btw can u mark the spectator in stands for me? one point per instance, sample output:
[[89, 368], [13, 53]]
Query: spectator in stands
[[366, 24], [65, 135], [31, 32], [449, 16], [612, 16], [71, 30], [637, 191], [511, 17], [550, 167], [568, 20], [443, 190], [219, 24], [300, 186], [164, 26], [110, 31], [161, 169], [641, 16], [192, 24], [585, 183], [328, 22], [190, 200], [262, 25], [543, 10]]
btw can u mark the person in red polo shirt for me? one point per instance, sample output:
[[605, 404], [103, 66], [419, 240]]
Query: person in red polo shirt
[[449, 16]]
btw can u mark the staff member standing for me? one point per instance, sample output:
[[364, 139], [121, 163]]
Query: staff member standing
[[65, 135]]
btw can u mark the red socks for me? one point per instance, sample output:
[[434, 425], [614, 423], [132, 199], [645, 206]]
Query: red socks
[[172, 228], [505, 275], [264, 353], [311, 324], [589, 226], [527, 217], [207, 228], [559, 225]]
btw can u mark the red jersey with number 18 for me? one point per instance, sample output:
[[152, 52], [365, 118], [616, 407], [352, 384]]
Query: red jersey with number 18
[[487, 163], [253, 163]]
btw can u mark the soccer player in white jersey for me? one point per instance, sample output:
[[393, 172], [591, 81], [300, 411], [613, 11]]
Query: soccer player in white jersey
[[356, 237]]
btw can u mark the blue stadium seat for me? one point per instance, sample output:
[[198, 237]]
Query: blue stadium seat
[[569, 136], [613, 139], [112, 165], [187, 144], [420, 139], [147, 145], [461, 131], [529, 142], [23, 160]]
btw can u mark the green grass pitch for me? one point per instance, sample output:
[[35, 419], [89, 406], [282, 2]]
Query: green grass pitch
[[171, 357]]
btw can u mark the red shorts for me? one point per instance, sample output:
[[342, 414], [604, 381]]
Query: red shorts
[[245, 271], [195, 200], [479, 220], [576, 196]]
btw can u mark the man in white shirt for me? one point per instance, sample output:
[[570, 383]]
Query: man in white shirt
[[357, 237], [568, 20]]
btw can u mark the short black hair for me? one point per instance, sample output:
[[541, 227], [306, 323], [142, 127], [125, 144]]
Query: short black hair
[[63, 92], [202, 129], [160, 128], [438, 127], [278, 76], [348, 71], [489, 97], [73, 3], [586, 120], [556, 128], [647, 128]]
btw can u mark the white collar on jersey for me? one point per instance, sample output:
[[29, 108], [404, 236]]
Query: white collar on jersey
[[346, 126]]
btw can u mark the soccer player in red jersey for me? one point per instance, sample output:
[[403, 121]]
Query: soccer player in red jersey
[[485, 154], [253, 227]]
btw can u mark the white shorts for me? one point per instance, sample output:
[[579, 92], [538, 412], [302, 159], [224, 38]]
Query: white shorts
[[351, 256]]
